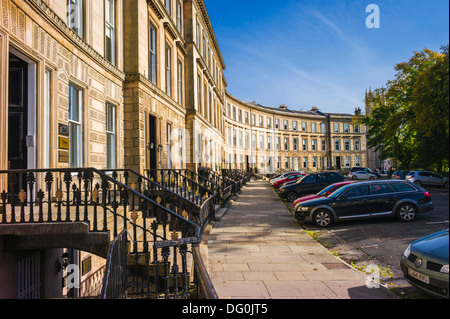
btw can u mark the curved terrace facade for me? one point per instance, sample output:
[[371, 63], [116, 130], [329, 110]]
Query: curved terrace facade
[[277, 139]]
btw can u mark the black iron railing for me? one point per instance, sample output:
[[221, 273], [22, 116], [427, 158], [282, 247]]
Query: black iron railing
[[161, 239]]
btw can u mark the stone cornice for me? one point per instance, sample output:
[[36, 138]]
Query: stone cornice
[[181, 47], [171, 30], [54, 19], [156, 7]]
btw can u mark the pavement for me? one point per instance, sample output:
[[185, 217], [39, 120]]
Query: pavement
[[257, 250]]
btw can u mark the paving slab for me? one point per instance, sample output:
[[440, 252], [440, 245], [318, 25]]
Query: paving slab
[[257, 250]]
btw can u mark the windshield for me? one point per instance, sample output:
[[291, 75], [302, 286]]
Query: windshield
[[338, 192], [308, 179], [324, 191]]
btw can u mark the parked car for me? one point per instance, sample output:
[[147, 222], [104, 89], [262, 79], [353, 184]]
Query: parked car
[[399, 174], [371, 199], [310, 184], [425, 264], [279, 177], [427, 178], [290, 178], [323, 193], [362, 175], [365, 169]]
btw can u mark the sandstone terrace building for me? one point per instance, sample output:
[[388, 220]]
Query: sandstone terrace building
[[277, 139], [137, 84]]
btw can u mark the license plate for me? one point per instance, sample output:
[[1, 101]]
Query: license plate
[[419, 276]]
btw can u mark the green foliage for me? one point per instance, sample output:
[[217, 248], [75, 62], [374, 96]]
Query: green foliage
[[408, 120]]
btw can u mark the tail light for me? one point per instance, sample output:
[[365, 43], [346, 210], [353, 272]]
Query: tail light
[[397, 176], [427, 194]]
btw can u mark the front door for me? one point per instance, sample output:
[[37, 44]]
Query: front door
[[17, 119], [152, 146]]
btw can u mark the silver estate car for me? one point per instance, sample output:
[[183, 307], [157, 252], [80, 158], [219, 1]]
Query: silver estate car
[[422, 178]]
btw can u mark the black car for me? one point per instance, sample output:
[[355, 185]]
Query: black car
[[395, 198], [399, 174], [310, 184]]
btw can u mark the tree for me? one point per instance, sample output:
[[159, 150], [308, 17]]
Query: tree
[[408, 120]]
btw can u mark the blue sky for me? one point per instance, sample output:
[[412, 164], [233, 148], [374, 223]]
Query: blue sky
[[306, 53]]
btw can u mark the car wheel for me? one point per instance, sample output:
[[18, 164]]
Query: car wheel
[[407, 212], [418, 183], [291, 196], [323, 218], [354, 177]]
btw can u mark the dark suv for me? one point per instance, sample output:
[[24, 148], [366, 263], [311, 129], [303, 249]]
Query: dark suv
[[394, 198], [310, 184]]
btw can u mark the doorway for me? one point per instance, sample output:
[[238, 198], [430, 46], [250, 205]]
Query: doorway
[[152, 147], [21, 117]]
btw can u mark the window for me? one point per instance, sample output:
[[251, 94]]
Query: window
[[75, 16], [286, 144], [199, 95], [240, 115], [277, 123], [402, 187], [357, 145], [346, 128], [179, 16], [314, 162], [358, 161], [305, 144], [347, 145], [313, 127], [310, 179], [246, 117], [277, 143], [323, 128], [111, 149], [269, 142], [269, 122], [168, 70], [152, 53], [337, 145], [314, 145], [197, 36], [336, 128], [286, 125], [110, 31], [253, 120], [261, 121], [295, 144], [356, 128], [376, 189], [354, 192], [169, 145], [180, 83], [347, 161], [286, 162], [324, 145], [304, 126], [305, 162], [261, 141], [75, 127], [168, 6], [294, 125]]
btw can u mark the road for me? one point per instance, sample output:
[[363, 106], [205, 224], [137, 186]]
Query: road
[[383, 241]]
